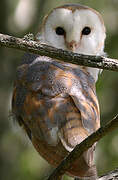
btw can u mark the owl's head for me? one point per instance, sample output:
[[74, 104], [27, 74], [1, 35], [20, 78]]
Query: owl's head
[[74, 27]]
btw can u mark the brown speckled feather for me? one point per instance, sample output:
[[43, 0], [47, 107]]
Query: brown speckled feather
[[56, 104]]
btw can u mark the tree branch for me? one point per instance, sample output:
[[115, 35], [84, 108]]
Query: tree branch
[[82, 147], [113, 175], [67, 56], [28, 45]]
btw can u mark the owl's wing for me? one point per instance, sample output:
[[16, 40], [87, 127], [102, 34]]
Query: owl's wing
[[82, 120]]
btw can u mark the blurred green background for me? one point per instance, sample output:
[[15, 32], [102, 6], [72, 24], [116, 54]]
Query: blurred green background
[[18, 158]]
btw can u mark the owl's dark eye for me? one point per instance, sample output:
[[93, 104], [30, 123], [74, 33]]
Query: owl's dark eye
[[86, 31], [60, 31]]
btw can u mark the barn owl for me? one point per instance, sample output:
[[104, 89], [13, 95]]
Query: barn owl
[[55, 102]]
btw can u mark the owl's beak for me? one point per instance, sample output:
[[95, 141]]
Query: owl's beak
[[73, 45]]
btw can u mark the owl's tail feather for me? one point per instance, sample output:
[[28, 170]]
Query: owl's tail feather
[[82, 170]]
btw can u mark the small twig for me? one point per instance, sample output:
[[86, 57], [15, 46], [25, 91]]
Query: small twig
[[82, 147], [113, 175], [67, 56]]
